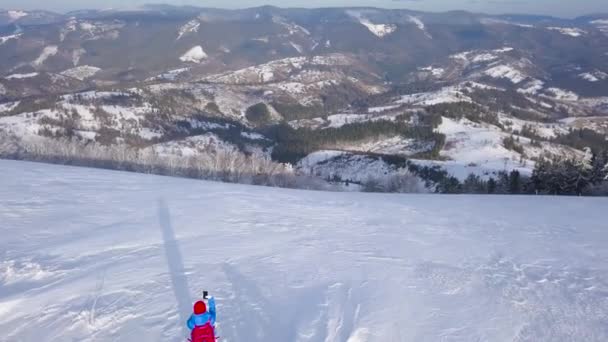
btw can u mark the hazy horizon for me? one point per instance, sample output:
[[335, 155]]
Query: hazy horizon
[[568, 9]]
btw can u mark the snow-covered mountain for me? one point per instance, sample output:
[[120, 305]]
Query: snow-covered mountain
[[439, 89], [94, 255]]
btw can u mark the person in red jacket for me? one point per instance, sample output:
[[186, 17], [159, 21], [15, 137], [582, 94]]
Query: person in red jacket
[[202, 322]]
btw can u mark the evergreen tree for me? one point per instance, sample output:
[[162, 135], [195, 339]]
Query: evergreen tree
[[540, 176], [514, 182], [491, 187], [474, 185]]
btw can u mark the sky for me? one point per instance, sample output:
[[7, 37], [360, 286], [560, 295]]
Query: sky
[[560, 8]]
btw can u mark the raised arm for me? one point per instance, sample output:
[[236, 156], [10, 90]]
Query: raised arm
[[212, 311]]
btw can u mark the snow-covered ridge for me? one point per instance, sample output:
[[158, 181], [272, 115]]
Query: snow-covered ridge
[[451, 94], [190, 27], [194, 55], [481, 56], [81, 72], [95, 110], [568, 31], [278, 70]]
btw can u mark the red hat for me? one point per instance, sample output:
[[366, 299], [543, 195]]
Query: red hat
[[200, 308]]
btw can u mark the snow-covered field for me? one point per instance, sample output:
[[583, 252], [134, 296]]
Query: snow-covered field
[[93, 255]]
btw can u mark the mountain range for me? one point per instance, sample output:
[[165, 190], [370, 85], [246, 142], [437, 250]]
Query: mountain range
[[335, 92]]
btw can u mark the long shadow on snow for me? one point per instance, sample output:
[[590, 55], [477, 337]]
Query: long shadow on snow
[[175, 263]]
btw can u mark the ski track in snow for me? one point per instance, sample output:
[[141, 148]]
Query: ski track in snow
[[94, 255]]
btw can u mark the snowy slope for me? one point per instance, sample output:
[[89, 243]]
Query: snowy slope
[[93, 255], [194, 55]]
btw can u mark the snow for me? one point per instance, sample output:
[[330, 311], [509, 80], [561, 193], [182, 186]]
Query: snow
[[546, 130], [594, 76], [20, 76], [481, 56], [589, 77], [70, 26], [532, 87], [265, 39], [380, 30], [416, 21], [568, 31], [96, 255], [81, 72], [285, 70], [504, 49], [351, 167], [77, 55], [506, 71], [93, 95], [561, 94], [101, 29], [320, 157], [190, 27], [601, 24], [26, 124], [297, 47], [484, 57], [16, 15], [194, 145], [253, 136], [489, 21], [445, 95], [47, 52], [194, 55], [382, 108], [339, 120], [292, 28], [435, 72], [172, 75], [479, 145], [9, 37], [7, 107]]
